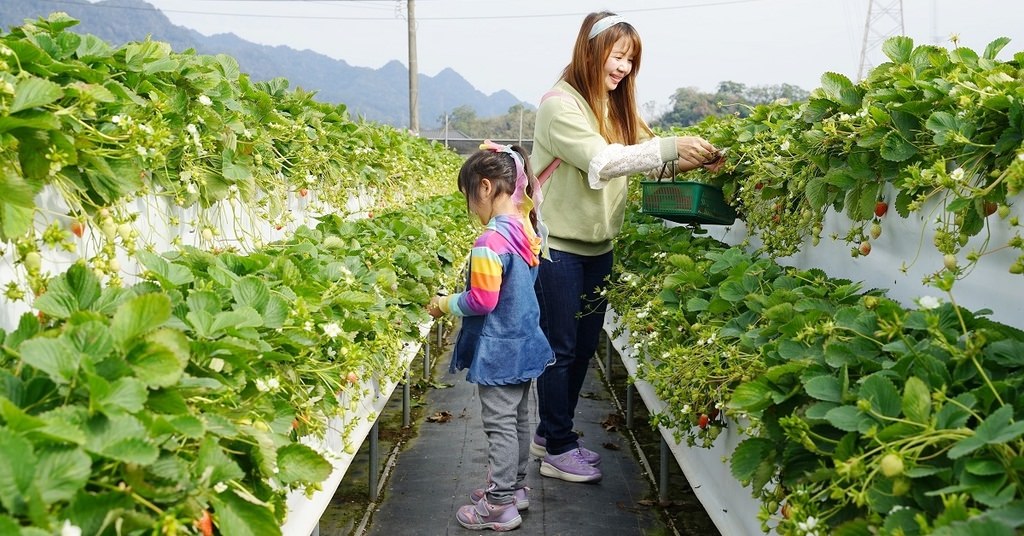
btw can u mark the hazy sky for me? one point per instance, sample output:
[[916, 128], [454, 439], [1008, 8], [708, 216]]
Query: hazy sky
[[522, 46]]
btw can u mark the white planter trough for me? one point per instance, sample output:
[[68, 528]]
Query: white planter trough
[[730, 506]]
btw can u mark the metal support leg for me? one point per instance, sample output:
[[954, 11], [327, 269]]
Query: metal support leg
[[426, 361], [629, 405], [608, 356], [440, 334], [406, 401], [374, 465], [316, 530], [663, 473]]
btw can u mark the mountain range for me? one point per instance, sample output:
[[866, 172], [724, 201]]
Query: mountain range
[[380, 95]]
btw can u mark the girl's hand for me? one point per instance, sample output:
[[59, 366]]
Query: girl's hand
[[434, 307]]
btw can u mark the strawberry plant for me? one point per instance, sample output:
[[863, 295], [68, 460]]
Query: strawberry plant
[[861, 416], [180, 402], [113, 132], [936, 130]]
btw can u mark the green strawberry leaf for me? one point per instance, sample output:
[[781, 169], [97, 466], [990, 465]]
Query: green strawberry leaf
[[917, 400], [213, 465], [56, 357], [240, 517], [139, 316], [61, 472], [32, 92], [748, 455], [882, 394], [298, 463], [160, 360], [17, 470]]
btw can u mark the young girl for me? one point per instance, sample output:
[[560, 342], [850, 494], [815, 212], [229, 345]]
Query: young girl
[[589, 122], [500, 340]]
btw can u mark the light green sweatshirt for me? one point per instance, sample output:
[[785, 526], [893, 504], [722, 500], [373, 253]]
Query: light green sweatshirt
[[581, 220]]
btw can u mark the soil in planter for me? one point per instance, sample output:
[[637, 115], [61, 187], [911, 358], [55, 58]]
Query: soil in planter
[[683, 510]]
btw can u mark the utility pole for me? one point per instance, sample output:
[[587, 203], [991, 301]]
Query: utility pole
[[414, 113], [521, 107], [885, 19]]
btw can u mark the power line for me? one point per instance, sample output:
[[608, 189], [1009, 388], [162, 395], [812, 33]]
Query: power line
[[321, 17]]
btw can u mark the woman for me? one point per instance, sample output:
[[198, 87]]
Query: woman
[[589, 132]]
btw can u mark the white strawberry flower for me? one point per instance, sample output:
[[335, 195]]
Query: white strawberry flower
[[204, 100], [332, 330], [928, 302], [70, 530]]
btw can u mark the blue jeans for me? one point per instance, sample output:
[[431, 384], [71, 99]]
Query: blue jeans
[[572, 317]]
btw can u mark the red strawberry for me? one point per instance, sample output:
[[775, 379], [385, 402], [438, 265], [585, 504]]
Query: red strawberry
[[205, 524], [990, 208], [303, 192], [77, 228], [881, 208], [702, 421]]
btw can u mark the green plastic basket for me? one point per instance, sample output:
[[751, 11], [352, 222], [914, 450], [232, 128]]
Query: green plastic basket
[[686, 202]]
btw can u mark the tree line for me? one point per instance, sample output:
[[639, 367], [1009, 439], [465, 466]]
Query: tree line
[[687, 106]]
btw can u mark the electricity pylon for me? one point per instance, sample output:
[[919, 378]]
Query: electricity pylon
[[885, 19]]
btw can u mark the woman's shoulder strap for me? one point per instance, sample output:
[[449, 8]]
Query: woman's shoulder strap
[[546, 174], [558, 93]]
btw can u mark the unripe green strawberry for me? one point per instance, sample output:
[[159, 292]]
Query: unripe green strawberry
[[33, 261], [900, 486], [1004, 211], [892, 465], [876, 230], [949, 261], [109, 229]]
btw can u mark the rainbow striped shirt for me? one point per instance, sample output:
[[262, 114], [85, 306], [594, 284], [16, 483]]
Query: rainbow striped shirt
[[486, 266]]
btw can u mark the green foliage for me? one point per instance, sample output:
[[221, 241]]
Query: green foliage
[[102, 125], [861, 416], [690, 106], [516, 124], [189, 392], [931, 127]]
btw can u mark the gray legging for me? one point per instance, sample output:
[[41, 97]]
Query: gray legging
[[505, 410]]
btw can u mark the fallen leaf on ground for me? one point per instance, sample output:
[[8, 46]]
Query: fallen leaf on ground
[[610, 446], [612, 422], [440, 416]]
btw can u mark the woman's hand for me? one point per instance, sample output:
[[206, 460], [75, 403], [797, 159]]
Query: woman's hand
[[694, 152], [434, 307]]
